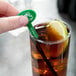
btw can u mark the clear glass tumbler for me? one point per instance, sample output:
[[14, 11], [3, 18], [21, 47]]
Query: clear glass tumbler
[[49, 58]]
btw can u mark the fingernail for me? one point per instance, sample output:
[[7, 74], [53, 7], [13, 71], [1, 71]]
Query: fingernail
[[23, 20]]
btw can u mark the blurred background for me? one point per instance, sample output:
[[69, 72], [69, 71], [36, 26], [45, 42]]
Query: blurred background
[[15, 57]]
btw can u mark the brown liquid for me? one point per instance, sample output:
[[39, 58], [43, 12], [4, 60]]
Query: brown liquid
[[56, 54]]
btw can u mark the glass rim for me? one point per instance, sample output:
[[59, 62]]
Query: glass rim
[[54, 42]]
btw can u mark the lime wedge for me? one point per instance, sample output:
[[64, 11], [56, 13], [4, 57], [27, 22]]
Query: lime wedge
[[57, 30]]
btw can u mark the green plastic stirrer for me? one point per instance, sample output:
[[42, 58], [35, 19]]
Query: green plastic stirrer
[[31, 17]]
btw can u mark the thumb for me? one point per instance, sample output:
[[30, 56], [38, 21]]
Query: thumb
[[11, 23]]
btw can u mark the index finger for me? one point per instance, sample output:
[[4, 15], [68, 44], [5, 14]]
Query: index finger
[[7, 9]]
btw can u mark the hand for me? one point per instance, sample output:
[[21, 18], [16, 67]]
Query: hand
[[10, 23]]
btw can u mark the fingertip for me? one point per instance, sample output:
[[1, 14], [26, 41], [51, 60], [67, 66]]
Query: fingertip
[[23, 20]]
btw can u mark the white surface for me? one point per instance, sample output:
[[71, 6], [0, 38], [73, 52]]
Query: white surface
[[15, 55]]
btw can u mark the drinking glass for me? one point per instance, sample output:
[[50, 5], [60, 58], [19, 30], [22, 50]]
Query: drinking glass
[[49, 58]]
